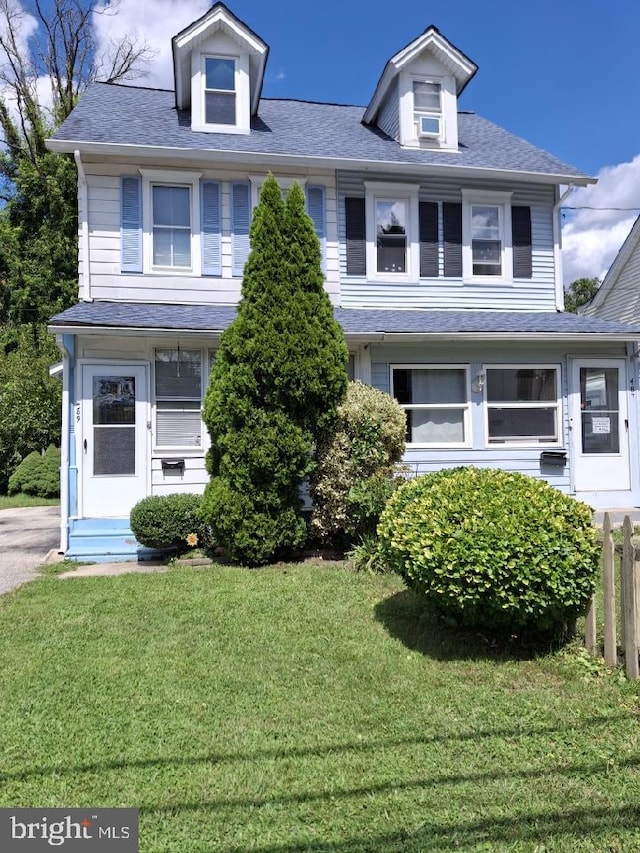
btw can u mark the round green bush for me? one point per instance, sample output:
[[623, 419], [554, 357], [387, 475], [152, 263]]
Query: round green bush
[[165, 521], [492, 548], [38, 474]]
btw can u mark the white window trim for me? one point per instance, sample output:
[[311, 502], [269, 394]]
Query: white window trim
[[465, 407], [285, 184], [503, 201], [526, 441], [188, 449], [171, 178], [379, 191], [448, 140], [439, 114], [198, 81]]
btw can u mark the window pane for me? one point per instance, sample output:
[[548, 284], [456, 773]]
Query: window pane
[[599, 388], [220, 108], [521, 385], [391, 234], [485, 222], [426, 96], [430, 385], [435, 426], [486, 251], [514, 424], [114, 450], [429, 125], [171, 247], [487, 269], [600, 432], [220, 74], [179, 427], [178, 375], [172, 206], [114, 400]]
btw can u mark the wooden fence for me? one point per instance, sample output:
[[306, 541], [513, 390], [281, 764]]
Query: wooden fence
[[620, 609]]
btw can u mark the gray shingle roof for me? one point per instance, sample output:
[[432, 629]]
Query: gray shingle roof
[[213, 318], [125, 115]]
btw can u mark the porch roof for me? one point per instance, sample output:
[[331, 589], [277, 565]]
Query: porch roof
[[364, 323]]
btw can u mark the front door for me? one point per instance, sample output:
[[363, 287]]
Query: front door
[[600, 426], [113, 439]]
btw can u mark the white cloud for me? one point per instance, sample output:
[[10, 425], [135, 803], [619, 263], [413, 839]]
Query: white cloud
[[153, 21], [591, 238]]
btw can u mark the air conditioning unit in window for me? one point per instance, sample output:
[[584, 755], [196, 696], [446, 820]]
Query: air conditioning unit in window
[[429, 126]]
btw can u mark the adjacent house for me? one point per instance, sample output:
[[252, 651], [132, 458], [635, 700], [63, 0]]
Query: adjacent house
[[441, 248]]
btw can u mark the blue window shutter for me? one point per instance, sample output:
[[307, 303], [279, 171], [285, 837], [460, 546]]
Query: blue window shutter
[[240, 222], [211, 230], [131, 223], [316, 210]]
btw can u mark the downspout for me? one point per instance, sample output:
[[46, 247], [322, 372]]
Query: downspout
[[64, 445], [83, 222], [557, 246]]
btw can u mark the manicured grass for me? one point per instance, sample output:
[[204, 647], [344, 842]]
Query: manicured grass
[[13, 501], [305, 708]]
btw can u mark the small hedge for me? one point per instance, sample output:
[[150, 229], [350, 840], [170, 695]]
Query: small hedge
[[492, 548], [167, 521], [38, 474]]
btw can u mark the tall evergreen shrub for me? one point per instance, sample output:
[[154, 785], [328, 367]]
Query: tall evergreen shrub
[[279, 374]]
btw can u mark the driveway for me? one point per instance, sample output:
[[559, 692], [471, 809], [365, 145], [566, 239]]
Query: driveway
[[26, 537]]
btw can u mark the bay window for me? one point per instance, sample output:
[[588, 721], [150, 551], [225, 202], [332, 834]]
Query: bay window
[[522, 405], [436, 401]]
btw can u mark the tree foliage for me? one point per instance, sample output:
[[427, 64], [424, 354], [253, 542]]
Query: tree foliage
[[30, 400], [48, 56], [279, 374], [580, 292]]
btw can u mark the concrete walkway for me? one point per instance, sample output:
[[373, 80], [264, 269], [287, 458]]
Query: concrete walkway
[[28, 536]]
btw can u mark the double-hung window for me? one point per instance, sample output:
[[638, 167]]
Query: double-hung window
[[220, 90], [523, 404], [487, 253], [436, 401], [178, 397], [171, 231], [427, 109], [392, 243]]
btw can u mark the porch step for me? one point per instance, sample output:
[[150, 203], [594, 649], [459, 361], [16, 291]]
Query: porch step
[[105, 540]]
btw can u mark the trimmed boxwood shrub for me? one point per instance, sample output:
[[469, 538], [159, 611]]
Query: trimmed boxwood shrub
[[165, 521], [38, 474], [492, 548]]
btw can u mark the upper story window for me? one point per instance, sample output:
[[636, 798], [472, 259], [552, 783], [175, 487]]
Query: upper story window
[[391, 236], [427, 109], [487, 238], [391, 225], [171, 226], [219, 90]]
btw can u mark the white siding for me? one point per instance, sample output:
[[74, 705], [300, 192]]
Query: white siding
[[537, 293], [109, 283]]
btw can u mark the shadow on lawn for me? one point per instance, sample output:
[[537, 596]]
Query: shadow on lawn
[[407, 618], [576, 825], [325, 750]]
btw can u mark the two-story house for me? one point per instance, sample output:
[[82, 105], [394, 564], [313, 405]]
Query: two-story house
[[441, 248]]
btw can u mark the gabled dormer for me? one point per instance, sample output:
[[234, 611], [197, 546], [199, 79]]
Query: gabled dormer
[[416, 99], [219, 65]]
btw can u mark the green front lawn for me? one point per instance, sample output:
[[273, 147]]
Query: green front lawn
[[305, 708]]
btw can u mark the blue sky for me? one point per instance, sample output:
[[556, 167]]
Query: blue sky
[[561, 74]]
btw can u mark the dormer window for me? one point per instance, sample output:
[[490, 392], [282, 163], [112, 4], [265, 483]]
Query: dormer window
[[427, 109], [220, 90]]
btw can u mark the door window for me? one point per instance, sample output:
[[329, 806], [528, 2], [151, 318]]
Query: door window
[[114, 425], [599, 409]]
